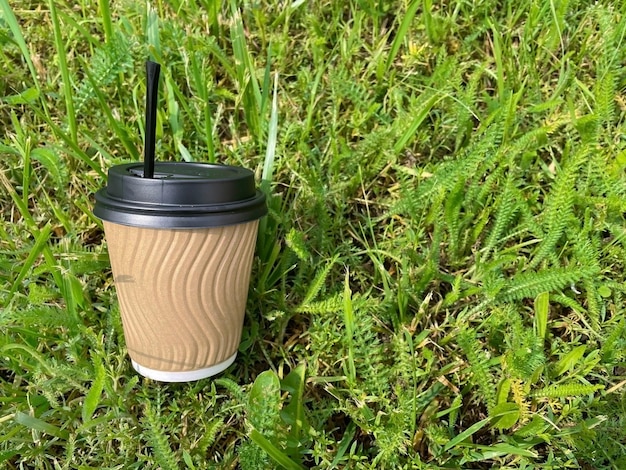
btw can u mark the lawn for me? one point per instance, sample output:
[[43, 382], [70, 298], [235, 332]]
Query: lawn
[[440, 281]]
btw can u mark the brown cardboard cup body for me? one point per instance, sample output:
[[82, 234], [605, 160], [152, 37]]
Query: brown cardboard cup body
[[182, 293]]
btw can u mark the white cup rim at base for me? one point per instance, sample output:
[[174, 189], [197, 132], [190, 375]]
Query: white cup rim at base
[[183, 376]]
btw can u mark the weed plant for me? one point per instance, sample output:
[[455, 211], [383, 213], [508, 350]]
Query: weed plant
[[439, 282]]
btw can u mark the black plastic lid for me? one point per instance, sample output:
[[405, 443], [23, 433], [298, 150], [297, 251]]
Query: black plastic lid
[[181, 195]]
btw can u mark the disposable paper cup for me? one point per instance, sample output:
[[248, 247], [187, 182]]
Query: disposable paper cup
[[181, 248]]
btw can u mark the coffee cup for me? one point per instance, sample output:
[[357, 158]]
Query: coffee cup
[[181, 245]]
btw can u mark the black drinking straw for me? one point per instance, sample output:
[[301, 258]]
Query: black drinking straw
[[152, 94]]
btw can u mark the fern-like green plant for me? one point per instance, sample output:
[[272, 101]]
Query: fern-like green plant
[[479, 155], [567, 302], [297, 242], [38, 319], [209, 434], [318, 282], [559, 207], [253, 457], [525, 353], [330, 305], [451, 216], [608, 73], [392, 440], [156, 436], [530, 284], [613, 347], [508, 206], [108, 62], [373, 376], [233, 387], [566, 390], [480, 375]]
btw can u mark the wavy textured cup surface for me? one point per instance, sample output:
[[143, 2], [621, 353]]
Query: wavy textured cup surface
[[181, 247], [182, 292]]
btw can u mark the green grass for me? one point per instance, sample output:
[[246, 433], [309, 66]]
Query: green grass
[[439, 282]]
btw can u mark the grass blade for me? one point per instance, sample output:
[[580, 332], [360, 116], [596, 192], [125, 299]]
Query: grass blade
[[73, 149], [293, 413], [502, 449], [474, 428], [246, 74], [105, 14], [429, 24], [92, 399], [152, 32], [306, 129], [401, 33], [66, 89], [174, 118], [348, 318], [268, 170], [222, 57], [40, 244], [267, 77], [542, 310], [32, 225], [497, 53], [570, 360], [270, 152], [39, 425], [274, 452], [198, 72], [14, 26], [418, 119]]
